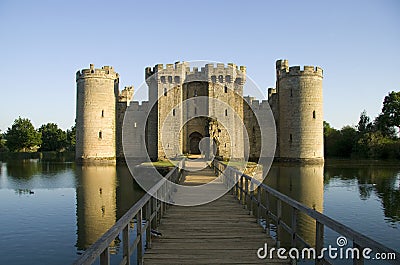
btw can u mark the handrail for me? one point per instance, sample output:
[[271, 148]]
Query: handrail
[[241, 182], [153, 207]]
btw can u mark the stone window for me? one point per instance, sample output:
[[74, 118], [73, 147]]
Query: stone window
[[165, 91], [228, 78], [195, 93], [169, 79], [135, 125], [214, 79], [177, 79], [162, 79], [173, 112], [102, 113], [226, 112], [226, 89], [220, 78], [195, 111], [290, 138], [100, 135], [291, 92], [313, 114]]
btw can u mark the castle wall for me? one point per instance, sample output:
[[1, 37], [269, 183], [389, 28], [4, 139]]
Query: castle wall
[[296, 104], [166, 85], [300, 112], [227, 86], [274, 105], [97, 91], [133, 130], [123, 103]]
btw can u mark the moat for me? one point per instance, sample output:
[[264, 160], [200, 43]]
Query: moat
[[52, 211]]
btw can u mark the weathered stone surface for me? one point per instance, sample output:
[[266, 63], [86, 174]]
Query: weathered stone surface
[[97, 92], [216, 109]]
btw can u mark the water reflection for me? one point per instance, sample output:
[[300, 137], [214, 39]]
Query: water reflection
[[304, 183], [104, 193], [96, 202], [382, 181], [128, 191], [23, 169]]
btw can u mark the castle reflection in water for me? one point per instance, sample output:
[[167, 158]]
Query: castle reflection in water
[[303, 183], [105, 193]]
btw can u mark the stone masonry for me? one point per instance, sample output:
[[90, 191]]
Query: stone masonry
[[187, 105]]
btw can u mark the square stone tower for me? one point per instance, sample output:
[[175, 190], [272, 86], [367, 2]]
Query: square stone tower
[[189, 104]]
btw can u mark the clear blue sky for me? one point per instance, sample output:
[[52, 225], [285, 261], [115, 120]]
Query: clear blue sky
[[43, 44]]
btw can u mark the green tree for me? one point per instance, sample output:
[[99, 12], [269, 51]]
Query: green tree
[[331, 139], [381, 126], [71, 139], [364, 124], [348, 138], [376, 145], [3, 147], [22, 136], [390, 116], [53, 138], [339, 143]]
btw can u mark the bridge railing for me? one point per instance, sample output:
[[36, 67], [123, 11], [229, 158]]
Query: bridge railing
[[248, 191], [147, 212]]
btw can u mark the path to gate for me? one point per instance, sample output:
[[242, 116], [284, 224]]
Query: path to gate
[[214, 233]]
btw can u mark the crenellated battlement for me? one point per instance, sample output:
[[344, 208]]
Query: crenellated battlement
[[256, 104], [182, 70], [283, 70], [139, 106], [297, 71], [105, 72], [126, 94], [295, 102]]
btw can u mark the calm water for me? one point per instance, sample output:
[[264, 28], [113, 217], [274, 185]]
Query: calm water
[[52, 211], [364, 196]]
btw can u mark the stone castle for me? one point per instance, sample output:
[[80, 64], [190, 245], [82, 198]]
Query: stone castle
[[187, 105]]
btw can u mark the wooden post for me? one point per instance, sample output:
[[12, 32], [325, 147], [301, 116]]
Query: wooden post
[[267, 226], [360, 260], [246, 192], [236, 185], [161, 211], [158, 208], [294, 226], [148, 221], [162, 202], [125, 243], [278, 223], [139, 235], [251, 196], [241, 191], [105, 257], [319, 242], [154, 210], [258, 205]]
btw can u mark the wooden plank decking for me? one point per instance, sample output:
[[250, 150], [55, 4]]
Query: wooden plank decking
[[220, 232]]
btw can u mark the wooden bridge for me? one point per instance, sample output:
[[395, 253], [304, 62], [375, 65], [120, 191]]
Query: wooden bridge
[[222, 231], [219, 232]]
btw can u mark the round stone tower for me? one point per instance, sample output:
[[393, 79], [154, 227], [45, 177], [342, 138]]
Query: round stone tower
[[97, 94], [300, 112]]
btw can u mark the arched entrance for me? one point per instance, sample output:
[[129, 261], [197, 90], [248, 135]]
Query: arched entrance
[[194, 140]]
